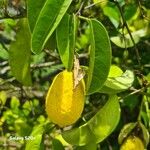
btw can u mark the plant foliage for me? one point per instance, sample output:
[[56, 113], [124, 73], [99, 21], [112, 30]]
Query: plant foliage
[[106, 43]]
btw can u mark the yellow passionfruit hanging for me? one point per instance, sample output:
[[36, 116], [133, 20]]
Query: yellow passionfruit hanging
[[64, 103], [132, 143]]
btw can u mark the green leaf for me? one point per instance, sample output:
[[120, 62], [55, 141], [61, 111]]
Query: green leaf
[[115, 71], [57, 145], [89, 146], [65, 34], [130, 11], [118, 84], [49, 18], [3, 53], [103, 123], [126, 131], [35, 143], [3, 97], [51, 44], [100, 57], [126, 42], [98, 127], [113, 13], [146, 136], [14, 103], [34, 7], [19, 54]]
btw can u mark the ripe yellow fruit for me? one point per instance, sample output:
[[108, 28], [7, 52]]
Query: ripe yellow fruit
[[132, 143], [64, 103]]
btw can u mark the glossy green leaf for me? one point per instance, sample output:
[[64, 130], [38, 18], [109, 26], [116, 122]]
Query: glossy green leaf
[[126, 42], [146, 136], [98, 127], [57, 145], [89, 146], [115, 71], [33, 11], [20, 52], [49, 18], [106, 120], [126, 131], [65, 34], [79, 136], [36, 135], [100, 57], [113, 13], [118, 84]]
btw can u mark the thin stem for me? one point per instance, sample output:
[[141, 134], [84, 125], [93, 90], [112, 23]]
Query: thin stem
[[132, 93], [81, 7], [141, 107], [13, 17], [83, 18], [22, 14], [126, 25], [91, 5]]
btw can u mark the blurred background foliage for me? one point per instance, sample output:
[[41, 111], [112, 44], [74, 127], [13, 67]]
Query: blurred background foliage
[[22, 108]]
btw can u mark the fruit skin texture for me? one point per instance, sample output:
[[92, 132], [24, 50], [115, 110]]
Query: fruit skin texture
[[64, 104], [132, 143]]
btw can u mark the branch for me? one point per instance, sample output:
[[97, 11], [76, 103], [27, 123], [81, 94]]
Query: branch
[[13, 17], [132, 93], [33, 66], [25, 92], [42, 65], [54, 55], [126, 25], [3, 63], [81, 7], [94, 4], [22, 13]]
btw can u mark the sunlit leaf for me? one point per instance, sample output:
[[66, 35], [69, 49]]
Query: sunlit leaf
[[14, 103], [113, 13], [100, 57], [36, 135], [48, 19], [145, 135], [126, 42], [66, 40], [116, 84], [115, 71], [98, 127], [60, 138], [126, 131]]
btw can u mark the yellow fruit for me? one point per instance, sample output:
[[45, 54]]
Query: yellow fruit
[[132, 143], [64, 104]]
